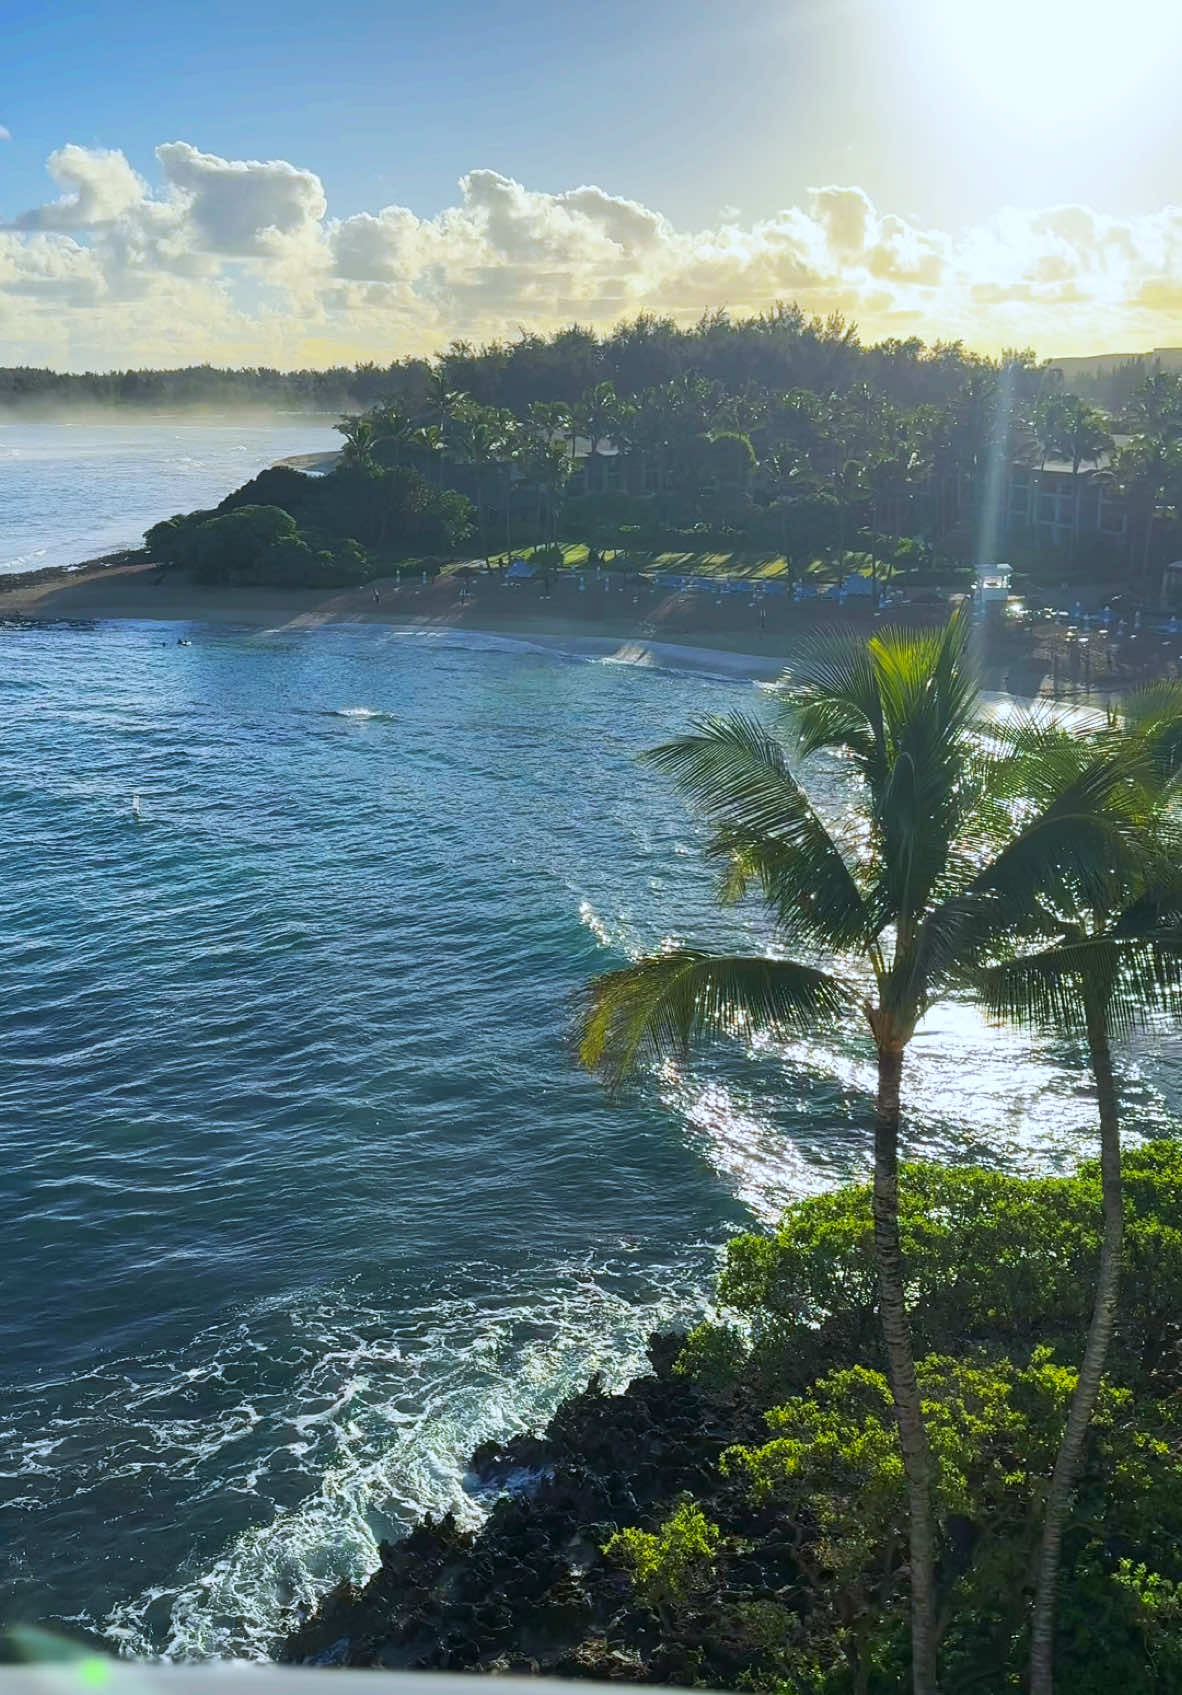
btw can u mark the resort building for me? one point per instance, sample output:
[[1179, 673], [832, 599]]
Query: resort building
[[1044, 498]]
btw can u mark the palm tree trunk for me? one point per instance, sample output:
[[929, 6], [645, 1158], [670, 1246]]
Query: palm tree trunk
[[896, 1330], [1148, 542], [1069, 1459]]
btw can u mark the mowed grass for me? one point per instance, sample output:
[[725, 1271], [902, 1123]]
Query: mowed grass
[[753, 566], [576, 554]]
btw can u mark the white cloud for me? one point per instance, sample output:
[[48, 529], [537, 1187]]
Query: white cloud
[[5, 133], [100, 187], [239, 260], [242, 207]]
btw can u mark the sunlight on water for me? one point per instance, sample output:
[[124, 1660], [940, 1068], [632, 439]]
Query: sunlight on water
[[291, 1113]]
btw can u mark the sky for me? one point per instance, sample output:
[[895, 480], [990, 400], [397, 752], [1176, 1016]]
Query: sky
[[362, 179]]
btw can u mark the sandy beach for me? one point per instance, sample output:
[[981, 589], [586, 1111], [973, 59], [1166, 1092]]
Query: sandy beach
[[642, 625], [729, 635]]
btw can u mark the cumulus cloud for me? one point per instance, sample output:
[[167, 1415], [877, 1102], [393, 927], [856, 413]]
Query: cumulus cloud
[[100, 187], [241, 260], [239, 207], [5, 133]]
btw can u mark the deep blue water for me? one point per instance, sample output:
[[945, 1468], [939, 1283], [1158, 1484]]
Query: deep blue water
[[302, 1193]]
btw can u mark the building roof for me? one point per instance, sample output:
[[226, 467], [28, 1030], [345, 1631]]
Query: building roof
[[1062, 467]]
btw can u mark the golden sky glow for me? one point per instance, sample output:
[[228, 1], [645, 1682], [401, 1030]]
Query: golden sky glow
[[1007, 173]]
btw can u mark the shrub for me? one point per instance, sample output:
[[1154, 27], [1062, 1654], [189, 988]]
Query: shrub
[[668, 1567]]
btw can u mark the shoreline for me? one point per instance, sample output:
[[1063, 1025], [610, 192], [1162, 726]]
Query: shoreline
[[611, 619], [115, 591]]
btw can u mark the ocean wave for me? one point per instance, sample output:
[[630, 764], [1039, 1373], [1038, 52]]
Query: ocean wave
[[361, 714], [382, 1422]]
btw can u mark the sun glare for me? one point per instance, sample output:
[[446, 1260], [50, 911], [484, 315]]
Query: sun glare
[[1041, 63]]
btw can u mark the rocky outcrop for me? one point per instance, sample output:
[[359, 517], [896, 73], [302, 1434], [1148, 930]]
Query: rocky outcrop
[[530, 1590]]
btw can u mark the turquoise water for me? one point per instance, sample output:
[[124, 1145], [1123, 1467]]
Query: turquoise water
[[78, 487], [302, 1193]]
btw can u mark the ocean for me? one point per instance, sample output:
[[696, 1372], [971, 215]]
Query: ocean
[[70, 491], [302, 1194]]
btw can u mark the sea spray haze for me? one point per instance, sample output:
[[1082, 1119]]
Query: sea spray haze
[[303, 1195], [72, 488]]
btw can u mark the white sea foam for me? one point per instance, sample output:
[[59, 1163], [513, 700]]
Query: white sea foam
[[403, 1419]]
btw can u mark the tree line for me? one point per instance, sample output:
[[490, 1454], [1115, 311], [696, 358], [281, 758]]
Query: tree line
[[785, 437], [773, 436]]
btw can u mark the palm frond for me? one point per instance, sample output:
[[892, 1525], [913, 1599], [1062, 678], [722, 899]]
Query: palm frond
[[1130, 978], [736, 773], [901, 705], [1086, 841], [1152, 716], [831, 695], [655, 1008], [1085, 849]]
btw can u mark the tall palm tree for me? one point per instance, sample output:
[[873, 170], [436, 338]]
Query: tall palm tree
[[546, 460], [480, 439], [1068, 425], [1115, 961], [1149, 470], [596, 417], [443, 403], [508, 453], [907, 894], [1156, 406]]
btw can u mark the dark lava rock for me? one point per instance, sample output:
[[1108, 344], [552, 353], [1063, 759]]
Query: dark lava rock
[[530, 1591]]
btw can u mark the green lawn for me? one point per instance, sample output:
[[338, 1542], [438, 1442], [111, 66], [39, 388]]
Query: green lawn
[[688, 564], [738, 564]]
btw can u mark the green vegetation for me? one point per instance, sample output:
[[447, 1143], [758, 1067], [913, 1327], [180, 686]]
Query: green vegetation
[[1037, 867], [790, 1571], [778, 437], [783, 436], [287, 529], [670, 1566]]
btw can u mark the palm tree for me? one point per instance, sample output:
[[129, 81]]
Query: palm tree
[[1149, 470], [480, 436], [596, 417], [508, 452], [1068, 425], [546, 460], [443, 403], [1156, 406], [358, 431], [908, 897], [1116, 960], [393, 430]]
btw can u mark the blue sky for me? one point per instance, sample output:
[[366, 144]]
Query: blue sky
[[689, 106], [397, 101], [707, 112]]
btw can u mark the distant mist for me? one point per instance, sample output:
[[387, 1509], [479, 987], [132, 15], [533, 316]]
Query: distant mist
[[198, 389]]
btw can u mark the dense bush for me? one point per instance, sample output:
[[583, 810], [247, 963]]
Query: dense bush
[[790, 1566], [260, 546], [284, 528]]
